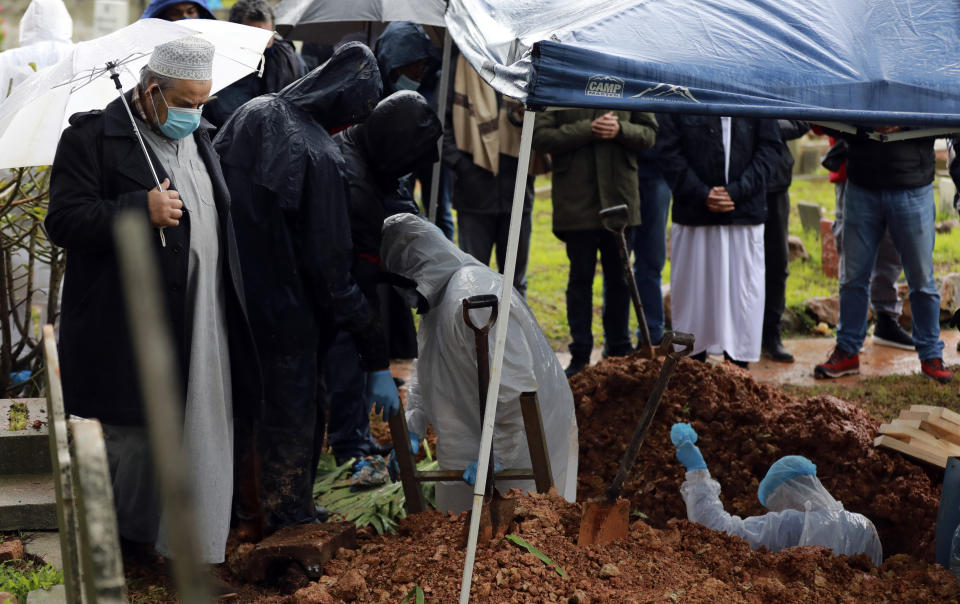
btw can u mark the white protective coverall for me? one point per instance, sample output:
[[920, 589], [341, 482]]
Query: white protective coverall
[[46, 30], [443, 389], [802, 513]]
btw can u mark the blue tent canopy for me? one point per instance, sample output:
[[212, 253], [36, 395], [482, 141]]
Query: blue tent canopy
[[859, 61]]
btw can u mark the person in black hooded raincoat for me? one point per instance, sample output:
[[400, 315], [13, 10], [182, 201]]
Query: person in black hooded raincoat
[[290, 202], [282, 65], [399, 136], [409, 61]]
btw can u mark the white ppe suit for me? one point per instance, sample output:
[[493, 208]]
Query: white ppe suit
[[802, 513], [46, 30], [443, 390]]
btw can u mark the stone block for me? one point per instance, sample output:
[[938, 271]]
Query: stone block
[[829, 256], [46, 545], [947, 190], [825, 309], [11, 549], [795, 249], [309, 545], [27, 502], [55, 595], [25, 451], [810, 215]]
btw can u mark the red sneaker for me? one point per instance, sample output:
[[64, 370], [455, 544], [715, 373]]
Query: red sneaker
[[934, 368], [839, 364]]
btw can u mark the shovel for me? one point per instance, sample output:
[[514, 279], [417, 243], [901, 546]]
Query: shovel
[[609, 520], [616, 219], [497, 511]]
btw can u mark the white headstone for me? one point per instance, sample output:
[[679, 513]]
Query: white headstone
[[109, 16]]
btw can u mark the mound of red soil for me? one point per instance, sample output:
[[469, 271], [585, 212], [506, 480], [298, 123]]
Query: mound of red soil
[[745, 426], [683, 562]]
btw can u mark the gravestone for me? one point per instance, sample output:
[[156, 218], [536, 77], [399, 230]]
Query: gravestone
[[27, 496], [947, 190], [810, 215]]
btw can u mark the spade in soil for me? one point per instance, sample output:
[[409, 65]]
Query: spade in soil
[[609, 520]]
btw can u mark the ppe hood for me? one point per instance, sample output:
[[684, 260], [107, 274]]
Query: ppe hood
[[156, 8], [45, 20], [419, 251]]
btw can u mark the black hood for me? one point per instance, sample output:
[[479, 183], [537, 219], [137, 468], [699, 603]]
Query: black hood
[[402, 43], [400, 135], [342, 91]]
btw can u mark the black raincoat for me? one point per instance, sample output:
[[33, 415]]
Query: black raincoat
[[403, 43], [290, 204], [282, 66]]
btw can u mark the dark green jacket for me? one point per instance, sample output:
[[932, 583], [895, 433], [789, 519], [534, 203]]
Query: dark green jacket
[[590, 174]]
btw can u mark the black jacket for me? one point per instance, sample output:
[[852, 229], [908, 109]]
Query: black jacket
[[690, 152], [291, 207], [904, 164], [783, 174], [98, 171]]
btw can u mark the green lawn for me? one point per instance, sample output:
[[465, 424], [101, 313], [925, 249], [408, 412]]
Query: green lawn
[[547, 272]]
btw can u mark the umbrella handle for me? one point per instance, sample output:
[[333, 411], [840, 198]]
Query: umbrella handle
[[115, 76]]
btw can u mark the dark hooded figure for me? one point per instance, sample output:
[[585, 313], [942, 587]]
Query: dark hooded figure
[[409, 61], [291, 204], [399, 136], [282, 64], [174, 10]]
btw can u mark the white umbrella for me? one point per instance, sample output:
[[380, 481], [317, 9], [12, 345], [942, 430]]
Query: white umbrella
[[34, 115]]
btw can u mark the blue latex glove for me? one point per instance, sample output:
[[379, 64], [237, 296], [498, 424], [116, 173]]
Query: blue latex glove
[[682, 432], [382, 393], [394, 467], [470, 474], [683, 436]]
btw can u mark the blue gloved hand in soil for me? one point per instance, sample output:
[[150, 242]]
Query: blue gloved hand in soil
[[470, 474], [414, 449], [382, 393], [683, 436]]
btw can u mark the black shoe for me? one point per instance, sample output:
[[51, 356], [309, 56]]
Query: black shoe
[[888, 332], [773, 347], [741, 364], [577, 364], [322, 514], [700, 356]]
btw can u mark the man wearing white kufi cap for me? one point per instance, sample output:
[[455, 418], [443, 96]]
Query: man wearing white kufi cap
[[100, 170]]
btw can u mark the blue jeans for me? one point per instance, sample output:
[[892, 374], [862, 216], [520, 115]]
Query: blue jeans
[[909, 215], [649, 244]]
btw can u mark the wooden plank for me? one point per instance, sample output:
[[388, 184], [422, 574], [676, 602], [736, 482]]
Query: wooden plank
[[943, 412], [536, 441], [941, 428], [405, 461], [913, 415], [457, 475], [892, 443], [907, 433]]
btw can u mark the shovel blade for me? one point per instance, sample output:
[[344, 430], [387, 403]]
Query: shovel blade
[[603, 522], [496, 519]]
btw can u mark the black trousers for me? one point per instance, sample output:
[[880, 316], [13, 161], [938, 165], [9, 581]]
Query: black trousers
[[582, 249], [776, 260]]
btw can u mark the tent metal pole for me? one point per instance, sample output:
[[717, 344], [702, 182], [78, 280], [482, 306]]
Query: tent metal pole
[[442, 114], [506, 297]]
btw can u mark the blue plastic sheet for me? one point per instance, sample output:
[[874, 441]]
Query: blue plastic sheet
[[863, 61]]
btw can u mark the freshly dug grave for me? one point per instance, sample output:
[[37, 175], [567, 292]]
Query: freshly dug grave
[[745, 426], [683, 562]]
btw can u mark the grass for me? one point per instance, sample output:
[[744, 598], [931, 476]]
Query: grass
[[20, 577], [548, 266], [884, 397]]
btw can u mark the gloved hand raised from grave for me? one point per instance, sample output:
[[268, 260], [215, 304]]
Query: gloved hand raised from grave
[[683, 436]]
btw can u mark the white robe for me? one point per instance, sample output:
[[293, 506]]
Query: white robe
[[717, 287]]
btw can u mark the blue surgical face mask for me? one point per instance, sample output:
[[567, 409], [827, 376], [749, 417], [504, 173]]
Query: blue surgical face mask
[[405, 83], [180, 122]]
